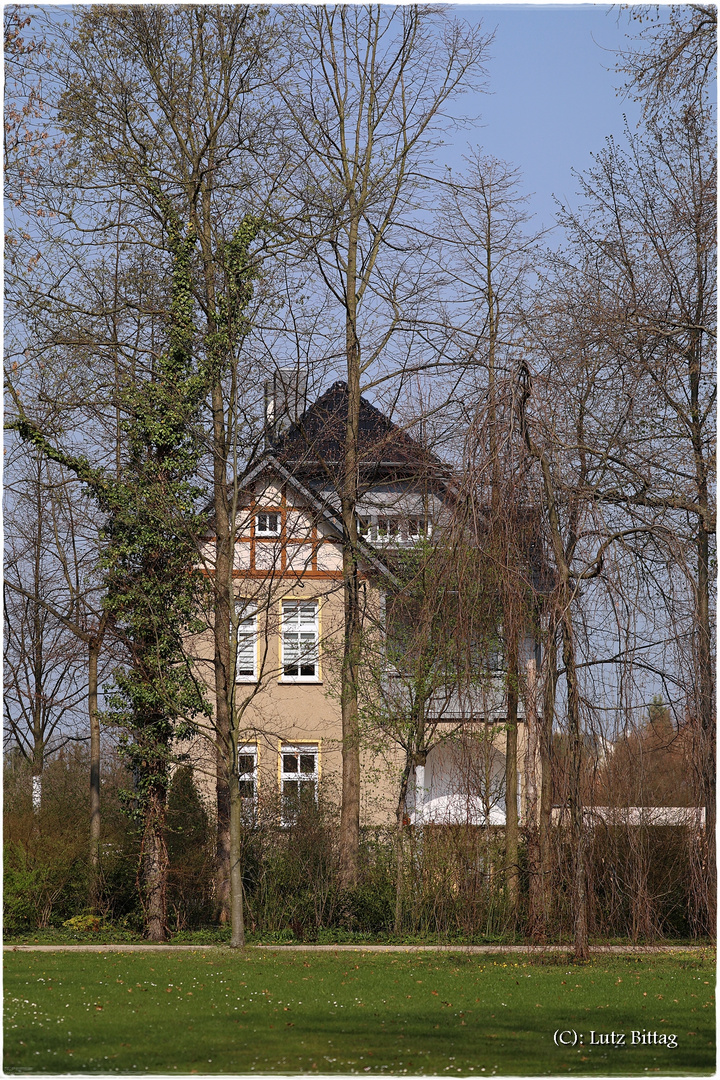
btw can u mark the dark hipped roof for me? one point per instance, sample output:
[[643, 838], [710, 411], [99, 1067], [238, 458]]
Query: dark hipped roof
[[318, 438]]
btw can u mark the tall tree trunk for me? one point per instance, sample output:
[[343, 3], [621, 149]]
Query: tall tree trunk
[[399, 846], [222, 704], [155, 865], [512, 874], [222, 575], [563, 615], [703, 627], [532, 797], [579, 880], [707, 742], [546, 792], [350, 808], [237, 939], [93, 653]]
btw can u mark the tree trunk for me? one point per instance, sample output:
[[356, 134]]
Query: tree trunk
[[399, 834], [155, 866], [224, 678], [350, 808], [532, 803], [546, 792], [703, 626], [93, 652], [562, 614], [512, 876], [237, 939], [579, 881], [707, 747]]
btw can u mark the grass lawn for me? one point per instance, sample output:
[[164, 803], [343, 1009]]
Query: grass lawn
[[414, 1013]]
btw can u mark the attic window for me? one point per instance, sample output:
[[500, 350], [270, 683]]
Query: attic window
[[418, 528], [267, 524], [394, 529], [388, 528]]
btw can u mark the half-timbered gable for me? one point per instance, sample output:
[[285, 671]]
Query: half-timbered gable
[[290, 613]]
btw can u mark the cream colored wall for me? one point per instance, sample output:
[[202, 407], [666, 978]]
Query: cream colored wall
[[304, 563]]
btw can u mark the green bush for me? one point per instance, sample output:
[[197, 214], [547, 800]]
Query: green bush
[[47, 870], [190, 845], [86, 923]]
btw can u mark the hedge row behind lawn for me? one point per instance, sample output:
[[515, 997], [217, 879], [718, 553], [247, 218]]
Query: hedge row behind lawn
[[639, 881]]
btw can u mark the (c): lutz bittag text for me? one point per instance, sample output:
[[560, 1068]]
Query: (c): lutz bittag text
[[636, 1037]]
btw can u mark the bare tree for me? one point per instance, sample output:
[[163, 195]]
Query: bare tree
[[425, 665], [366, 90], [44, 685], [672, 56], [644, 245], [490, 254]]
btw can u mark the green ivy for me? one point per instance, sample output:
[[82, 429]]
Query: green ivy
[[154, 587]]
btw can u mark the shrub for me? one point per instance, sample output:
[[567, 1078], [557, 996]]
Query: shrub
[[86, 923], [190, 851], [47, 871]]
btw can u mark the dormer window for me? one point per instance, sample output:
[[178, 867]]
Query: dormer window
[[418, 528], [388, 528], [267, 524], [394, 529]]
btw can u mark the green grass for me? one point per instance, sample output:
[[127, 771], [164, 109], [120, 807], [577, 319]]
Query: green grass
[[413, 1013]]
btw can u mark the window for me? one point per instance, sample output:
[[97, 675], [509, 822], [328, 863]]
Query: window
[[298, 780], [246, 660], [300, 640], [267, 524], [388, 528], [247, 778], [418, 528], [394, 529]]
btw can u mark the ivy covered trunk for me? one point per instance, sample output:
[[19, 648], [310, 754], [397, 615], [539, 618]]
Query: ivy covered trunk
[[155, 863], [93, 652], [154, 586]]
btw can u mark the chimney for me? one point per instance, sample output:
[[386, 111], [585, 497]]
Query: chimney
[[285, 395]]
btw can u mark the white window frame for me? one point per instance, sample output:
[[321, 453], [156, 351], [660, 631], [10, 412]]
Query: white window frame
[[389, 529], [249, 801], [307, 636], [365, 527], [266, 529], [298, 775], [393, 529], [247, 636], [418, 527]]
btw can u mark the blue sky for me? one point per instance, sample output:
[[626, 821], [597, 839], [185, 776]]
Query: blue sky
[[553, 99]]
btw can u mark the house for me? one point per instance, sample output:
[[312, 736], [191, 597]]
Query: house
[[290, 610]]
